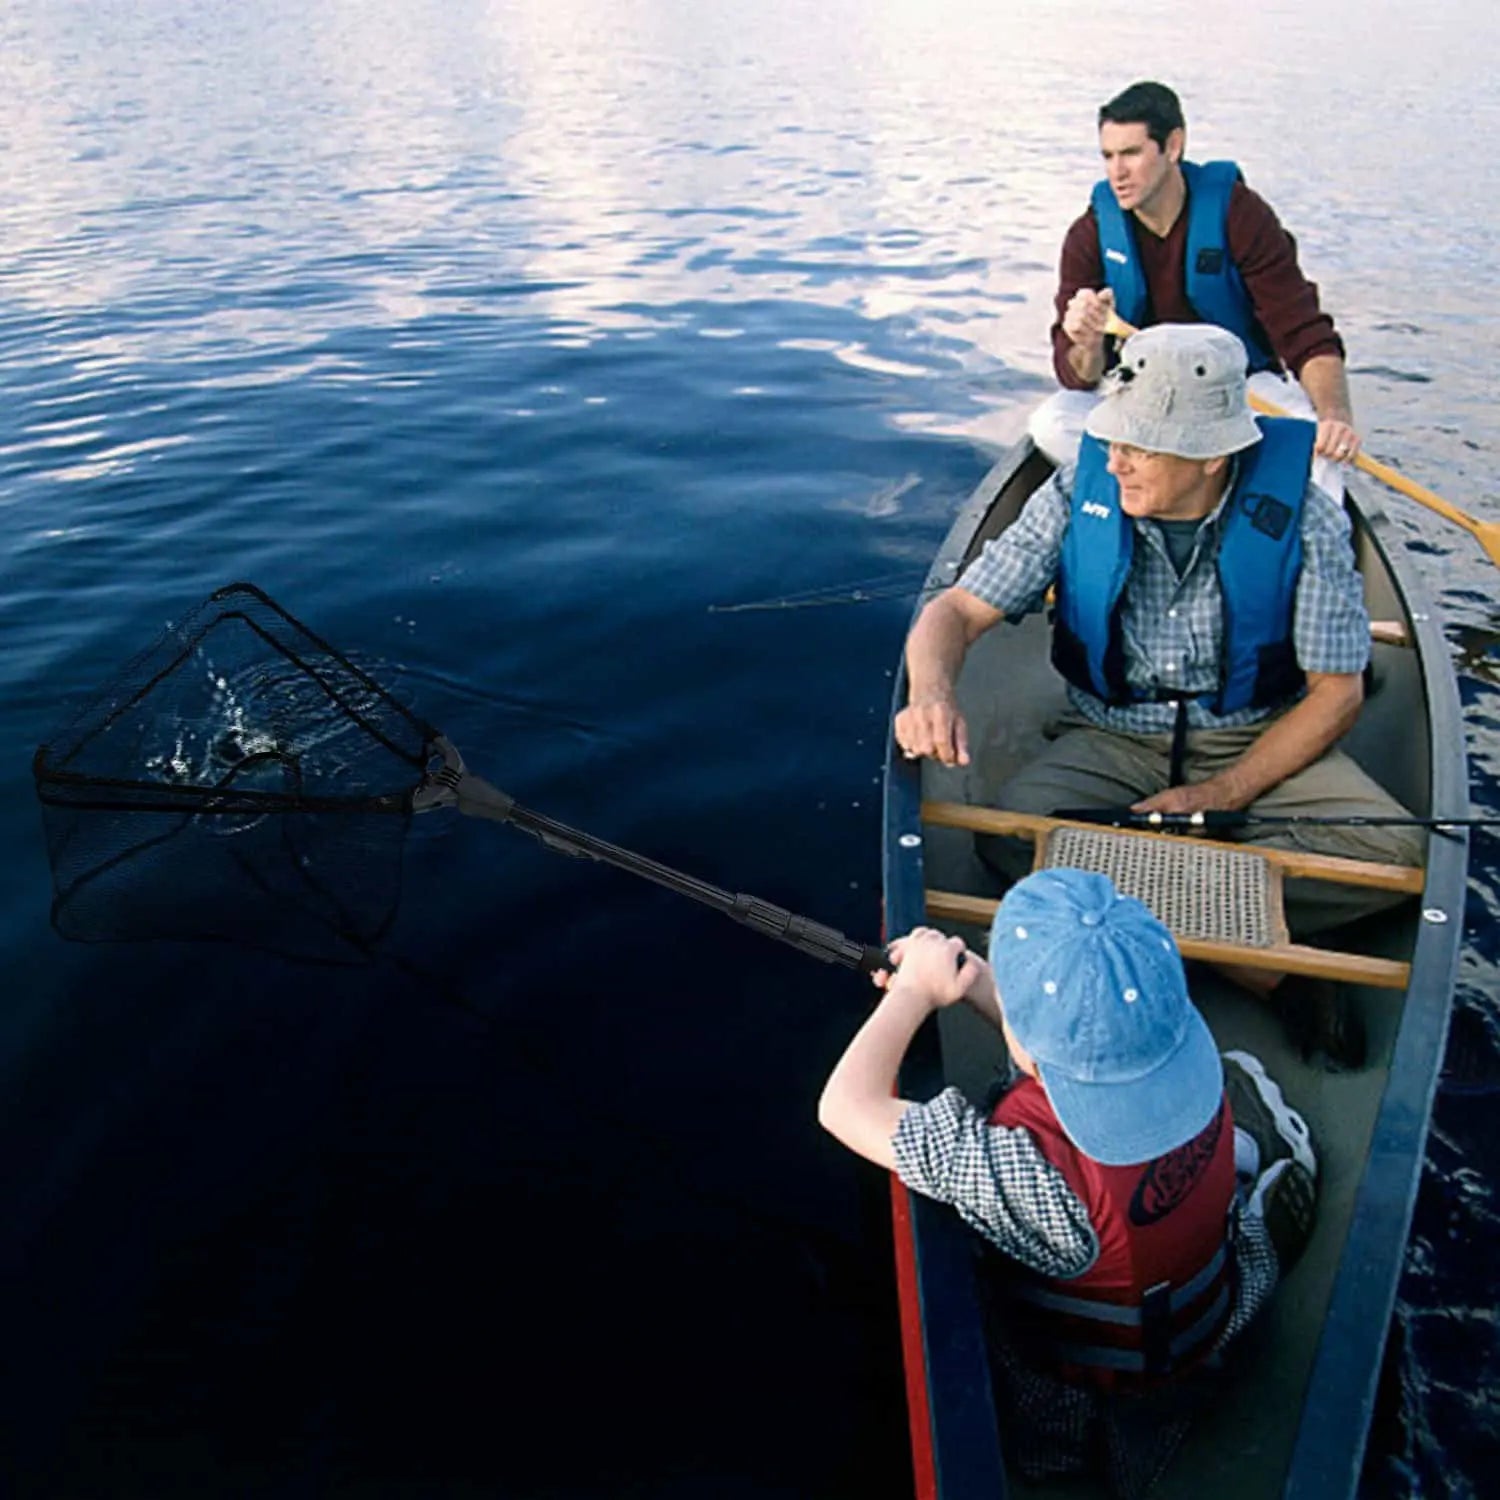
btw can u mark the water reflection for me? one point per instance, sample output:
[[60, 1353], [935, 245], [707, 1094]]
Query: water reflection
[[550, 326]]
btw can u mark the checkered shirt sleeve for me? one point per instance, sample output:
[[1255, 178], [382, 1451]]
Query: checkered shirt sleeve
[[1015, 570], [999, 1181], [1330, 625], [1256, 1270]]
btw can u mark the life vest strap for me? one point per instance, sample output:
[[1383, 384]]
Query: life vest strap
[[1122, 1315], [1189, 1342]]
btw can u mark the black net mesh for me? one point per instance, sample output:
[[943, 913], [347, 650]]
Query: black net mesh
[[240, 780]]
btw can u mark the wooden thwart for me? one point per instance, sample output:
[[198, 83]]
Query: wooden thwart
[[1294, 863], [1280, 958], [1279, 955]]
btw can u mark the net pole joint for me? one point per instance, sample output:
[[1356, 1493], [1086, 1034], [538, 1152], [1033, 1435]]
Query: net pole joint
[[449, 783]]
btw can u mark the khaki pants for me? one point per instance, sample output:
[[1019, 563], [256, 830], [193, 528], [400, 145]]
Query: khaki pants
[[1083, 766]]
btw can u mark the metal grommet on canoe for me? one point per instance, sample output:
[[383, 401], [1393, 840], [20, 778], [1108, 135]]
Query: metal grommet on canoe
[[910, 841], [1434, 914], [1199, 892]]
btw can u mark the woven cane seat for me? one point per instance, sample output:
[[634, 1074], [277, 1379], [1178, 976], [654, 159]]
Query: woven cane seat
[[1199, 891]]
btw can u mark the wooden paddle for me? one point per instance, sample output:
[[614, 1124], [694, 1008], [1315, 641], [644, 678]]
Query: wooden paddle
[[1487, 533]]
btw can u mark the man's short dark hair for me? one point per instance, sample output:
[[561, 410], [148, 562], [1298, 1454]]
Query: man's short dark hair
[[1153, 105]]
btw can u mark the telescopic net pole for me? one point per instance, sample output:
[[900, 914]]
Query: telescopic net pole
[[453, 785]]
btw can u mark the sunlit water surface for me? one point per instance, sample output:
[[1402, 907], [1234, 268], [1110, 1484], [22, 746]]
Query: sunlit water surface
[[507, 345]]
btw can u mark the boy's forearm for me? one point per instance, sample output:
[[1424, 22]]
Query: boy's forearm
[[858, 1105]]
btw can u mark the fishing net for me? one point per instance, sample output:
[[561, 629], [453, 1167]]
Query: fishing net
[[242, 780], [239, 780]]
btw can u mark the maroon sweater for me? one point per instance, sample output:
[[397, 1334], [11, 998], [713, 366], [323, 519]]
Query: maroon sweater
[[1285, 301]]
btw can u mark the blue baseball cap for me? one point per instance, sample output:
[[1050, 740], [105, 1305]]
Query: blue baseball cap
[[1092, 986]]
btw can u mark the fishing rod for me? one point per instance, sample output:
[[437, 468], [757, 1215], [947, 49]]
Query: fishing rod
[[1223, 821], [904, 585]]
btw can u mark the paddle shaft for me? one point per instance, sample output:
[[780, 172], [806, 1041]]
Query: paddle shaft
[[1487, 533], [479, 799]]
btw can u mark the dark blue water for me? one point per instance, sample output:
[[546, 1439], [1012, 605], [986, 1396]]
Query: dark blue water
[[507, 345]]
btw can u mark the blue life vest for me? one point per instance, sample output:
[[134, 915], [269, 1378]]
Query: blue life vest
[[1259, 559], [1211, 280]]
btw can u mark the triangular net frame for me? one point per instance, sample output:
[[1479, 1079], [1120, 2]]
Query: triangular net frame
[[240, 780]]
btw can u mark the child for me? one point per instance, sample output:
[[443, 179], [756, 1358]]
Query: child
[[1138, 1230]]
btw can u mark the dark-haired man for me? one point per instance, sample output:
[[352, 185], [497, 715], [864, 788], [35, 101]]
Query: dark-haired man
[[1166, 240]]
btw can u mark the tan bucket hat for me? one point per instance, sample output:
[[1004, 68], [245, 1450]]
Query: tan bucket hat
[[1179, 388]]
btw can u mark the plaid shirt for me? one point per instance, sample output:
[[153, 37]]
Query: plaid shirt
[[1174, 626]]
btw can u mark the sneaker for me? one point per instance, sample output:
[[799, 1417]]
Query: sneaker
[[1322, 1019], [1286, 1199], [1261, 1112]]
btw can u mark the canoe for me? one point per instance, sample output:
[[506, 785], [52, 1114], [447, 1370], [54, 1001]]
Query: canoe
[[1304, 1397]]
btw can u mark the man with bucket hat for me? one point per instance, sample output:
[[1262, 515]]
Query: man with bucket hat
[[1142, 1195], [1209, 622]]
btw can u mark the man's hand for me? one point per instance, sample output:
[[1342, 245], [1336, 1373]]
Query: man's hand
[[1327, 385], [1217, 794], [935, 727], [1336, 439], [1288, 744], [1085, 317], [931, 724]]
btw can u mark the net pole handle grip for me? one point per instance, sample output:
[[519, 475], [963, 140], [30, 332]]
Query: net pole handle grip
[[807, 936]]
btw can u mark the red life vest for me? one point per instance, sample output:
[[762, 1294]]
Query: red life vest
[[1158, 1296]]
